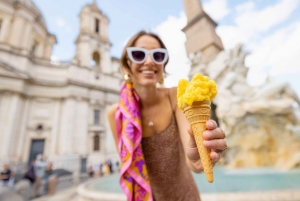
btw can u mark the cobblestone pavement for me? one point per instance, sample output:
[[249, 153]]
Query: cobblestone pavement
[[286, 195]]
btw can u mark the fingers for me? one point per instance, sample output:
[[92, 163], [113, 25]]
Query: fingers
[[211, 124], [215, 155], [189, 130], [219, 144], [193, 154], [216, 133]]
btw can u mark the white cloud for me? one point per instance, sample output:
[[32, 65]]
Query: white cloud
[[170, 32], [251, 23], [60, 22], [278, 52], [54, 58], [272, 54], [230, 35], [245, 7], [63, 24], [216, 9], [263, 20]]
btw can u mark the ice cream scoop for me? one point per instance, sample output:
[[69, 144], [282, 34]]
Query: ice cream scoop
[[194, 99]]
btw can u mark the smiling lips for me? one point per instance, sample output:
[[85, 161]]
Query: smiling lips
[[148, 72]]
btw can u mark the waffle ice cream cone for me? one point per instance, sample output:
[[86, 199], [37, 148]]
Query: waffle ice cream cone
[[194, 99], [198, 114]]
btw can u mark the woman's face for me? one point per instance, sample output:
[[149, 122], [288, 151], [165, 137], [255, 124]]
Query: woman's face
[[147, 73]]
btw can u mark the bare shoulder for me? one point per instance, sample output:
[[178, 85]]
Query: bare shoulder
[[112, 110], [173, 96]]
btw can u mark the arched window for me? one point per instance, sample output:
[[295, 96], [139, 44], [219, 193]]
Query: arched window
[[96, 142], [95, 59]]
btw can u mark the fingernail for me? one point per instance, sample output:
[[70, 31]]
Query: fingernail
[[206, 143], [206, 134], [210, 123]]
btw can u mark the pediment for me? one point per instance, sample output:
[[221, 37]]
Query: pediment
[[9, 71]]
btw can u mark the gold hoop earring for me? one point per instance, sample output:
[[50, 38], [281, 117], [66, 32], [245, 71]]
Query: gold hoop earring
[[127, 78], [162, 80]]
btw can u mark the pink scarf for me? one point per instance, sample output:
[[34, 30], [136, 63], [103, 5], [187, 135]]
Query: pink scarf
[[134, 178]]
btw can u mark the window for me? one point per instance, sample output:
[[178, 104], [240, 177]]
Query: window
[[95, 59], [96, 142], [97, 23], [96, 117], [34, 46], [39, 127]]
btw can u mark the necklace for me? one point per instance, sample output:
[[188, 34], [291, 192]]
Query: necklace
[[150, 123]]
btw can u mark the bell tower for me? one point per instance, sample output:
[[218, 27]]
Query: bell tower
[[200, 31], [92, 43]]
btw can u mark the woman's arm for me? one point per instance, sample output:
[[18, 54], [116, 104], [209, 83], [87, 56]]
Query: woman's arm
[[213, 138], [112, 121]]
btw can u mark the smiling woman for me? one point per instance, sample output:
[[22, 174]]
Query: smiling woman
[[150, 132]]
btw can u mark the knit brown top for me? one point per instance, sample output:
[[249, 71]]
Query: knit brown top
[[170, 177]]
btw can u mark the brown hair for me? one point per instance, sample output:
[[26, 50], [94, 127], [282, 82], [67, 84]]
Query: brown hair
[[131, 42]]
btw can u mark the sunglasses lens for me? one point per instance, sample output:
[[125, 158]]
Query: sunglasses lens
[[159, 56], [138, 55]]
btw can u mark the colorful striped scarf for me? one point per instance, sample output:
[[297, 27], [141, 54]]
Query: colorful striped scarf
[[134, 178]]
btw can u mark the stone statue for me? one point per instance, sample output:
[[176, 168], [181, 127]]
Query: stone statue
[[255, 118]]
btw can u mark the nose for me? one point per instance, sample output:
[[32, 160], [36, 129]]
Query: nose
[[149, 60]]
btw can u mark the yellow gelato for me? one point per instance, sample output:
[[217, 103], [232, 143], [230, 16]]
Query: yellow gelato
[[199, 89], [194, 99]]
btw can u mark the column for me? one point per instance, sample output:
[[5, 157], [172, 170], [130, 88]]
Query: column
[[81, 127], [16, 31], [23, 129], [5, 29], [105, 59], [55, 127], [67, 123], [26, 36], [84, 52], [10, 106]]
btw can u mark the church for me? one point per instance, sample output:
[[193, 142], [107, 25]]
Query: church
[[50, 107]]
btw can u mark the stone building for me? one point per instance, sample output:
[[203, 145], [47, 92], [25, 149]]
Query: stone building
[[50, 107]]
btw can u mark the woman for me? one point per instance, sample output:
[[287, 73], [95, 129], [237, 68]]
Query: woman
[[154, 139]]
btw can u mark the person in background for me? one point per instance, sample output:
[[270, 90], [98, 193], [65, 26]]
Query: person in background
[[106, 168], [30, 175], [90, 171], [39, 171], [153, 136], [117, 165], [6, 178], [50, 179], [110, 165]]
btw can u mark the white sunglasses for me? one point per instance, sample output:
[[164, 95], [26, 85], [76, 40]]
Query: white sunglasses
[[139, 55]]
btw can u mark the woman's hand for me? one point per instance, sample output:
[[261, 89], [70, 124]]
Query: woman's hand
[[213, 139]]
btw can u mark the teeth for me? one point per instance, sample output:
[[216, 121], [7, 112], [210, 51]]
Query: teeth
[[148, 72]]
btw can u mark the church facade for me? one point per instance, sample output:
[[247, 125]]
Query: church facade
[[49, 107]]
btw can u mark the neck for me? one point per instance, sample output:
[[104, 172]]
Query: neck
[[149, 96]]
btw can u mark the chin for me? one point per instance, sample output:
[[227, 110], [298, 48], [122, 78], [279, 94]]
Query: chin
[[147, 83]]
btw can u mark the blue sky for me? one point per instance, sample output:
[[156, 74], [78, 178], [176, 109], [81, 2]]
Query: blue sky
[[269, 29]]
